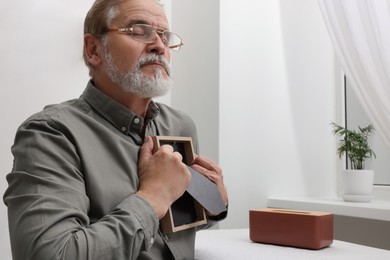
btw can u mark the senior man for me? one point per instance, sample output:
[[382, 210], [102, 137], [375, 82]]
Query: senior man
[[85, 183]]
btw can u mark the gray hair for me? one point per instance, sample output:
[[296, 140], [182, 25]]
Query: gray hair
[[99, 19]]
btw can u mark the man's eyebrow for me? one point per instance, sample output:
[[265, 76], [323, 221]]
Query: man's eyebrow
[[139, 21], [136, 21]]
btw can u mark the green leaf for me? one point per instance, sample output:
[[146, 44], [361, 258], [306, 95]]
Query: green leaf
[[354, 144]]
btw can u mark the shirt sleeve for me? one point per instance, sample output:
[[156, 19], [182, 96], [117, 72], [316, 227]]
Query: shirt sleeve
[[48, 204]]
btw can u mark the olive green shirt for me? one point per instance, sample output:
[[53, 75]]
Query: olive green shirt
[[71, 191]]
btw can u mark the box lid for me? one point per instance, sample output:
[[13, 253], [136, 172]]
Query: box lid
[[205, 192]]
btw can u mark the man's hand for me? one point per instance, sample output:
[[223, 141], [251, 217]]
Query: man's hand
[[163, 176], [213, 172]]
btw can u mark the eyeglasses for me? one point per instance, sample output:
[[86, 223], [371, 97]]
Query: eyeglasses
[[148, 34]]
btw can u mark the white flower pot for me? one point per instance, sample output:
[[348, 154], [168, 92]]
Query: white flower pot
[[358, 185]]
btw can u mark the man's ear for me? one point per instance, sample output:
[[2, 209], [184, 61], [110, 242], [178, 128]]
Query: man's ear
[[91, 49]]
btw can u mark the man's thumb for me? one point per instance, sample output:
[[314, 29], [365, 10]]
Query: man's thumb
[[146, 150]]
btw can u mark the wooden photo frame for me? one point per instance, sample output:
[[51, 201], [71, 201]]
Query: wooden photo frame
[[185, 212]]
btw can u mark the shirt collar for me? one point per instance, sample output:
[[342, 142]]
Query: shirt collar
[[121, 117]]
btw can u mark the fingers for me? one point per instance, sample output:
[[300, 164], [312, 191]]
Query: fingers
[[169, 149], [211, 175], [213, 172], [146, 150], [210, 167]]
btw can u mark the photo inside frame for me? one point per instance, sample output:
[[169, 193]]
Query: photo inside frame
[[183, 210]]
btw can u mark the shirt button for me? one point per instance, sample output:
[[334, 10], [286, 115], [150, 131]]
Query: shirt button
[[136, 120], [123, 129]]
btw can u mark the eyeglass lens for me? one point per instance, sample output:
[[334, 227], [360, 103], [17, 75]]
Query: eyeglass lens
[[147, 33]]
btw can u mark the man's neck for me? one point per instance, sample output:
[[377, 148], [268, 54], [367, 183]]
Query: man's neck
[[132, 102]]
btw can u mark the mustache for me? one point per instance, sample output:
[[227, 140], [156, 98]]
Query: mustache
[[151, 58]]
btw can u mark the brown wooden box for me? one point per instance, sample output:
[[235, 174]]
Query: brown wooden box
[[304, 229], [185, 212]]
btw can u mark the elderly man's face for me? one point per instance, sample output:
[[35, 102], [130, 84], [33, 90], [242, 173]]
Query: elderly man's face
[[125, 52]]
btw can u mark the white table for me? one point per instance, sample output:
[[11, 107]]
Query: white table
[[235, 244]]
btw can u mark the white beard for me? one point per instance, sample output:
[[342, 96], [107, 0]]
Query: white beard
[[135, 81]]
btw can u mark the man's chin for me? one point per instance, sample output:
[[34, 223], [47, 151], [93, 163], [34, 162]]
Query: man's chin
[[155, 72], [149, 89], [154, 94]]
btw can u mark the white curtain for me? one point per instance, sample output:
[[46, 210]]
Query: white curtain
[[360, 33]]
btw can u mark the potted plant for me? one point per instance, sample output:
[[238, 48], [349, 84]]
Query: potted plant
[[357, 181]]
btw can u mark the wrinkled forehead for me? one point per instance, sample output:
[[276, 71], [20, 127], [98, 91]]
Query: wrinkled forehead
[[141, 11]]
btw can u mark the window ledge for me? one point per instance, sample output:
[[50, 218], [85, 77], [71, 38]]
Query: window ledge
[[376, 209]]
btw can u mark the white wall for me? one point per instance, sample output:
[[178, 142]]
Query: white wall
[[196, 68], [276, 103]]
